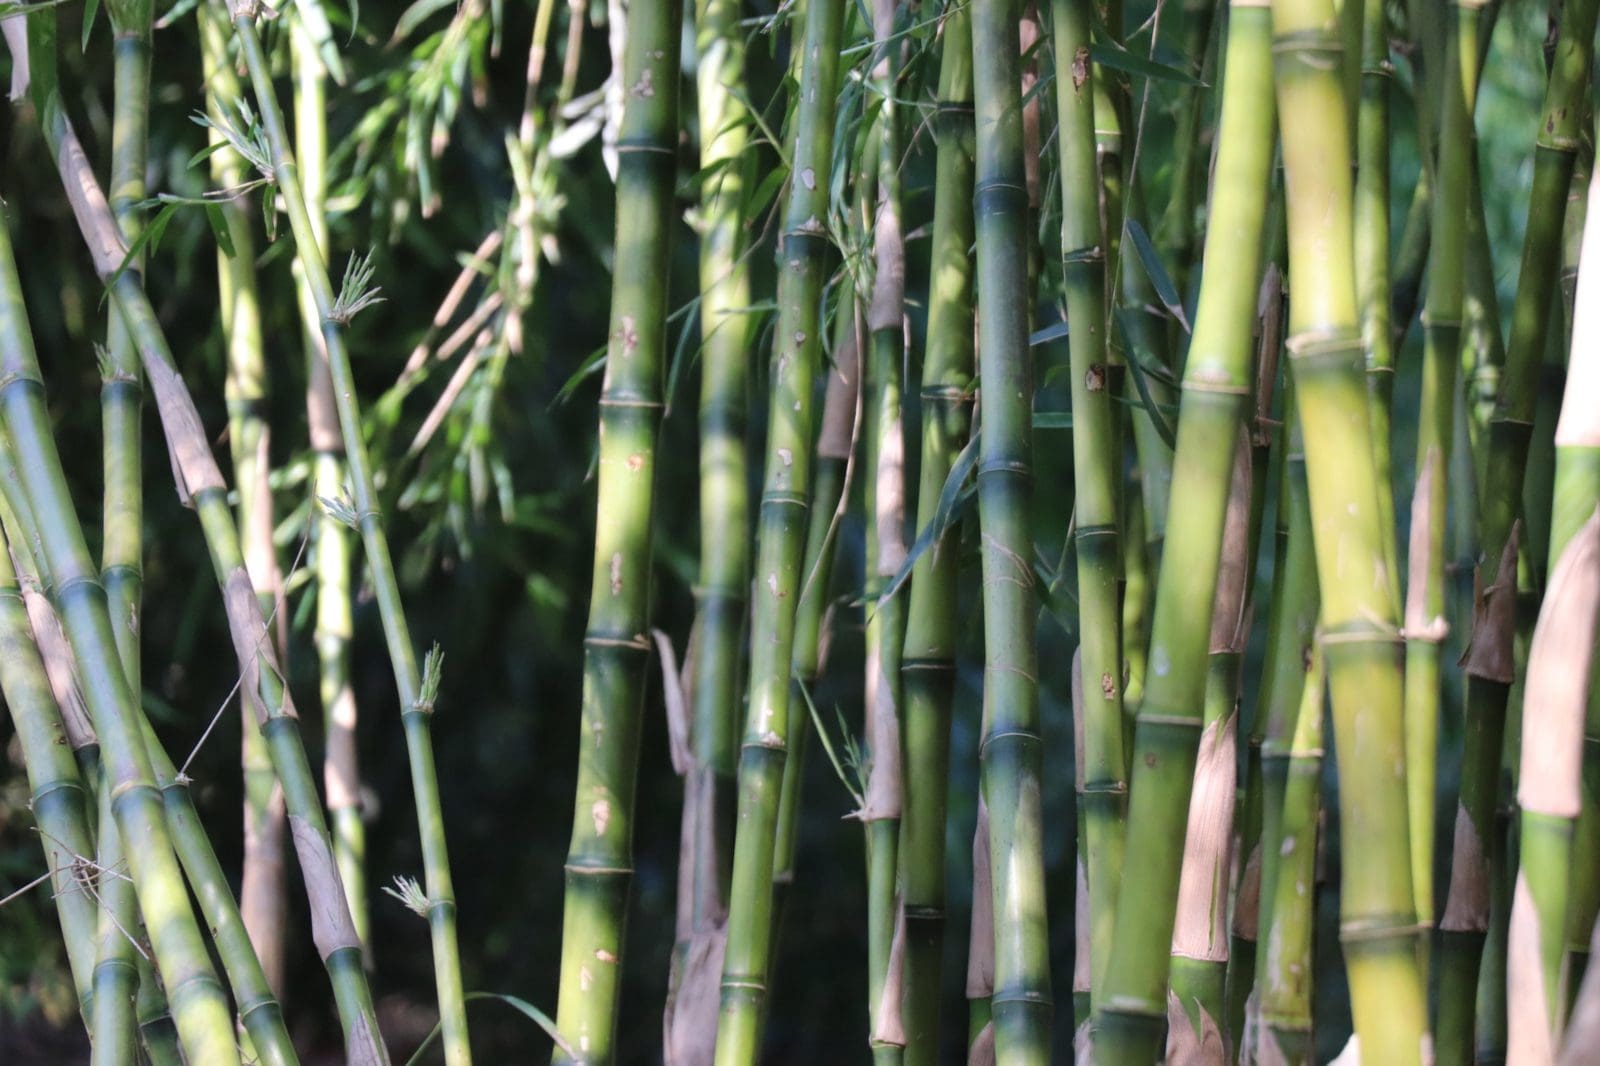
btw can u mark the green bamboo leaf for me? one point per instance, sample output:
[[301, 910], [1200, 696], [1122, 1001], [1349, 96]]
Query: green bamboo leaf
[[587, 369], [528, 1010], [219, 228], [1153, 269], [1136, 366], [955, 499], [827, 746], [90, 9], [416, 15], [1049, 333], [150, 238], [1109, 55]]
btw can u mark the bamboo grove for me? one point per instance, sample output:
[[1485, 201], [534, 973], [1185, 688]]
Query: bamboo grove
[[1091, 516]]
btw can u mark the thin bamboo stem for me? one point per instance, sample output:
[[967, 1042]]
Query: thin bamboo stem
[[416, 711], [928, 663], [803, 246]]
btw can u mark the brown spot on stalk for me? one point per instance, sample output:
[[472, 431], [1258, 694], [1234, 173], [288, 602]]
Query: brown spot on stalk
[[1095, 379], [1108, 686], [635, 463], [616, 574], [600, 812], [645, 87], [1080, 68], [628, 336]]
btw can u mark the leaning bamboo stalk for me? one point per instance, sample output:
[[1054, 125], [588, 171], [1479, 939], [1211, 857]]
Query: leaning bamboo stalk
[[1360, 631], [599, 862], [199, 1002], [1216, 388], [59, 802], [416, 704], [262, 686], [928, 665], [1197, 1001], [1096, 472], [262, 898], [1426, 625], [1011, 750], [782, 523]]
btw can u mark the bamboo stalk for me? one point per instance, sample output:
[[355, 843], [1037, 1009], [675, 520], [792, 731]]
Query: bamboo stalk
[[1197, 1001], [1011, 750], [723, 591], [928, 665], [1216, 387], [262, 686], [1286, 980], [416, 704], [1096, 471], [599, 862], [1426, 624], [341, 774], [886, 549], [782, 519], [1286, 671], [1549, 794], [60, 805], [262, 898], [1359, 624], [199, 1003], [122, 520]]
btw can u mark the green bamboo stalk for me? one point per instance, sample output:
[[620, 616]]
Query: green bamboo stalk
[[1216, 387], [1360, 632], [416, 703], [1490, 662], [723, 592], [1199, 30], [781, 521], [884, 498], [599, 862], [1286, 979], [341, 774], [1426, 624], [198, 1000], [1197, 1001], [119, 917], [812, 623], [121, 564], [262, 686], [928, 664], [1011, 751], [1096, 470], [1372, 253], [1411, 253], [262, 897], [60, 806], [1291, 648]]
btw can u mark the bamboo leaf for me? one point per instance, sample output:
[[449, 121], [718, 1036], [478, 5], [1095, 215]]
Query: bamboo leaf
[[1157, 273], [827, 745], [90, 9], [219, 228], [1136, 367], [1110, 55], [1055, 331], [522, 1006], [150, 238]]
